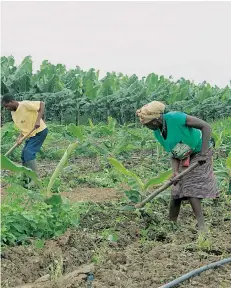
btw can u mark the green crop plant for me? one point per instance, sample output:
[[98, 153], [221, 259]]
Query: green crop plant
[[7, 164], [221, 134], [228, 168], [38, 213], [56, 268], [138, 189], [60, 166], [27, 214], [204, 241], [223, 172], [74, 96], [103, 139]]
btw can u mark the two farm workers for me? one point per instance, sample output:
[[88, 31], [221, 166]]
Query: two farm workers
[[27, 116], [188, 140]]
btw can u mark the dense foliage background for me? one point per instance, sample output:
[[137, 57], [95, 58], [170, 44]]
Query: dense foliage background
[[73, 96]]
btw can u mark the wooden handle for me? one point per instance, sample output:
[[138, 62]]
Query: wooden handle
[[17, 144], [166, 185]]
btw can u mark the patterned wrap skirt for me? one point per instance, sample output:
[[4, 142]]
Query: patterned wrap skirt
[[199, 183]]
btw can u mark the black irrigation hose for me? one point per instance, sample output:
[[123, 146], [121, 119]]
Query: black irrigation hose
[[195, 272]]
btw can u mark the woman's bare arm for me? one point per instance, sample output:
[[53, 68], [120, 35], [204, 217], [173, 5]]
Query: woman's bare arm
[[175, 166], [205, 128]]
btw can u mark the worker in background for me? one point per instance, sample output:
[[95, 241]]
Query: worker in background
[[27, 115], [187, 138]]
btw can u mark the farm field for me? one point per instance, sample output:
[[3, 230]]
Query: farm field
[[94, 228], [96, 162]]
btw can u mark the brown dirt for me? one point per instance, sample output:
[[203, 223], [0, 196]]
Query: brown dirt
[[86, 194], [25, 264], [157, 266], [92, 194], [129, 263], [78, 164], [132, 262]]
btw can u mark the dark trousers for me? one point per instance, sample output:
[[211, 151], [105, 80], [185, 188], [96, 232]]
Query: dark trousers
[[33, 145]]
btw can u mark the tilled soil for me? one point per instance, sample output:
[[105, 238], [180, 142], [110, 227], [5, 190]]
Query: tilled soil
[[92, 194], [137, 259], [131, 261]]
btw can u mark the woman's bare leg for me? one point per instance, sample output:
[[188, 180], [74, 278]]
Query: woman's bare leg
[[174, 209], [197, 209]]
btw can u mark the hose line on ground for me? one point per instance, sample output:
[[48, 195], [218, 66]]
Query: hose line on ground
[[195, 272]]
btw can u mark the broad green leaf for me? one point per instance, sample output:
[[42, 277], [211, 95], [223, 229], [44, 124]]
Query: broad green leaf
[[112, 237], [7, 164], [158, 180], [10, 60], [24, 67], [120, 168], [134, 184], [58, 233], [92, 94], [228, 162], [97, 74], [127, 208], [91, 123], [226, 95], [229, 188], [151, 79], [18, 190], [111, 123], [133, 195], [76, 131], [106, 130], [101, 149], [54, 200], [204, 94], [91, 89], [39, 244], [218, 138], [18, 227], [61, 165]]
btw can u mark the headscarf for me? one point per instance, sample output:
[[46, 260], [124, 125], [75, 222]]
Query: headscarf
[[150, 111]]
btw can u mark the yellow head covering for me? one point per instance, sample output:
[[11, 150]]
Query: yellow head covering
[[150, 111]]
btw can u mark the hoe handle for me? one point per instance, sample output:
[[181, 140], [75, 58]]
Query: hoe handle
[[19, 143], [166, 185]]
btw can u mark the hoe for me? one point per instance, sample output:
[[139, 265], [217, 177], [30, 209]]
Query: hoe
[[166, 185], [19, 143]]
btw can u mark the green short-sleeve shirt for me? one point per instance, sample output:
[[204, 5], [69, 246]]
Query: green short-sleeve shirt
[[178, 132]]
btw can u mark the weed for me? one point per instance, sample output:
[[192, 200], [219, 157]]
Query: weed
[[56, 268], [204, 242]]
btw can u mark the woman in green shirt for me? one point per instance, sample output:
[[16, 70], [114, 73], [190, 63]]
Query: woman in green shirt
[[187, 138]]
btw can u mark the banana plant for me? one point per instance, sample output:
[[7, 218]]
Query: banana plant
[[7, 164], [223, 172], [114, 95], [16, 79], [60, 166], [138, 188], [228, 167], [49, 78]]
